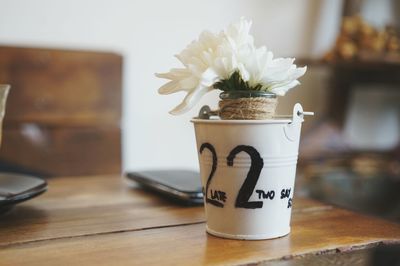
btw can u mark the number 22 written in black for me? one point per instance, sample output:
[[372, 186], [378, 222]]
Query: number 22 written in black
[[247, 189]]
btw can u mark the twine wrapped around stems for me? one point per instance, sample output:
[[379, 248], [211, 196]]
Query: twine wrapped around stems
[[253, 108]]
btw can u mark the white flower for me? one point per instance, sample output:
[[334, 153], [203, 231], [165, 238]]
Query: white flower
[[214, 57], [198, 76], [275, 75]]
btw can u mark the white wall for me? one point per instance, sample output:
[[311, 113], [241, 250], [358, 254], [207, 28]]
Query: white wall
[[148, 34]]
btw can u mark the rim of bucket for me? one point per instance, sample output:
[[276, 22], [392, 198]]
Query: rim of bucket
[[220, 121]]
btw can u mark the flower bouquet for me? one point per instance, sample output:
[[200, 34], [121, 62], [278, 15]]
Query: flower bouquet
[[249, 77], [247, 157]]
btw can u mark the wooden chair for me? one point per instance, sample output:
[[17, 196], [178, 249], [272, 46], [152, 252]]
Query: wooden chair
[[63, 112]]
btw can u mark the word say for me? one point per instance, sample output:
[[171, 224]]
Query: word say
[[218, 195], [285, 193], [265, 195]]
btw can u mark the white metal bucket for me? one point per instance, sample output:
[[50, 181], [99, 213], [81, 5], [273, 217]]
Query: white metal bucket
[[248, 170]]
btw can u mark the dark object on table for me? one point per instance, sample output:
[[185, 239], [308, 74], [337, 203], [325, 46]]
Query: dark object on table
[[181, 185], [16, 188]]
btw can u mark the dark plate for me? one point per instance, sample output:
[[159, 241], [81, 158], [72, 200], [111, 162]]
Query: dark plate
[[15, 188]]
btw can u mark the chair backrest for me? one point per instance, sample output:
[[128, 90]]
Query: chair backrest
[[63, 112]]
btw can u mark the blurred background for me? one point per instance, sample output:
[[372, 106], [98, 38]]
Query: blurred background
[[84, 96]]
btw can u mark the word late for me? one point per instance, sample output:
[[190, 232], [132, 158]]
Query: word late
[[218, 195]]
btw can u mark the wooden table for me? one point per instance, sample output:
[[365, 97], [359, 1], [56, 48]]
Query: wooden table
[[100, 220]]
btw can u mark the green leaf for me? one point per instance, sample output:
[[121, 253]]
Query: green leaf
[[235, 82]]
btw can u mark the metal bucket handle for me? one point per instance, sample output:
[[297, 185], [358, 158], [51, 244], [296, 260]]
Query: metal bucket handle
[[292, 130]]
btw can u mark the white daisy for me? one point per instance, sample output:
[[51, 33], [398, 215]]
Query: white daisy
[[215, 57]]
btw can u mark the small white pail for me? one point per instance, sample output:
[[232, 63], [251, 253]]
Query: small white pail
[[248, 170]]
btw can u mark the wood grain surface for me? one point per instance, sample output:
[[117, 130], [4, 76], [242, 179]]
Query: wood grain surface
[[54, 86], [67, 150], [79, 206], [100, 220], [64, 108]]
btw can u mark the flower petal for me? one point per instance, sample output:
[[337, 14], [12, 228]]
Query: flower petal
[[170, 87], [191, 99], [283, 88], [174, 73], [209, 77]]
